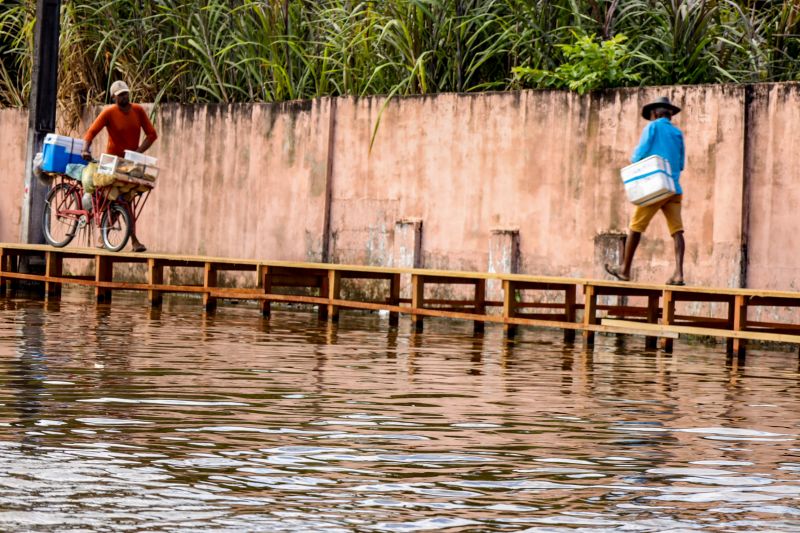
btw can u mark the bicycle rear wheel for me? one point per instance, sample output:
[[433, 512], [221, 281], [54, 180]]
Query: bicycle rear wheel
[[60, 219], [115, 227]]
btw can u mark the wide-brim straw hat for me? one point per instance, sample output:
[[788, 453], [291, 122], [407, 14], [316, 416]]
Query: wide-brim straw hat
[[661, 101]]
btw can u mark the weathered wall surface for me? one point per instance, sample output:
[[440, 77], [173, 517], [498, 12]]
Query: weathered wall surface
[[546, 163], [13, 138], [774, 188], [251, 181], [240, 181]]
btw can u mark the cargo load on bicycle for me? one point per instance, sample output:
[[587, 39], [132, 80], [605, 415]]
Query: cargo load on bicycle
[[108, 194], [133, 174]]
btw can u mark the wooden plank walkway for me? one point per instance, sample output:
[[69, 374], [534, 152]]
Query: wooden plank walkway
[[320, 284]]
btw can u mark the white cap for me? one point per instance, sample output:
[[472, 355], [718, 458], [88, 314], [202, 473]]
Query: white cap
[[119, 87]]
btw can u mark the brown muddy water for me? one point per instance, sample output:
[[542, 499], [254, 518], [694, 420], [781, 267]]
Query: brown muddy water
[[118, 418]]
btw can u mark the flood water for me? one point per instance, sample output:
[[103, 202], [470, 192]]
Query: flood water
[[119, 418]]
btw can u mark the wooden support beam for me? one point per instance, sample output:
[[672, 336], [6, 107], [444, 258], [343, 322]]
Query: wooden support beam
[[589, 313], [667, 317], [3, 268], [729, 325], [8, 263], [323, 284], [394, 299], [653, 311], [155, 276], [478, 326], [104, 271], [739, 322], [265, 283], [509, 307], [53, 267], [777, 302], [569, 311], [629, 327], [417, 300], [334, 288], [675, 330], [210, 279]]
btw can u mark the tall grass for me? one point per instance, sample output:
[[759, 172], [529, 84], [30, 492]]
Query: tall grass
[[275, 50]]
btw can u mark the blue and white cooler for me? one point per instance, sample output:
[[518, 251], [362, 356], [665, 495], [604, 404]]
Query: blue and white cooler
[[648, 181], [59, 151]]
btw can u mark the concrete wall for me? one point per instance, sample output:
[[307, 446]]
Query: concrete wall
[[774, 188], [240, 181], [546, 163], [252, 181], [13, 138]]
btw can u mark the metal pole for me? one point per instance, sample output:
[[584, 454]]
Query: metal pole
[[41, 113]]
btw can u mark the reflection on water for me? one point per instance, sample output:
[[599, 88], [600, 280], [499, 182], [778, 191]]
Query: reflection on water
[[122, 418]]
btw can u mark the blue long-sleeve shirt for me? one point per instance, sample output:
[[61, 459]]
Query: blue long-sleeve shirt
[[660, 137]]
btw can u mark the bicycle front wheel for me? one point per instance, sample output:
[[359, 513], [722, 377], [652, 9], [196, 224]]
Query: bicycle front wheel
[[60, 219], [115, 227]]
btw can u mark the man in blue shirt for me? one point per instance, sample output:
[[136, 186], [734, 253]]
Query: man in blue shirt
[[661, 138]]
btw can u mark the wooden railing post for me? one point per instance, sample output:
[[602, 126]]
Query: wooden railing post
[[5, 266], [651, 342], [479, 326], [589, 313], [739, 322], [323, 283], [731, 317], [668, 318], [155, 276], [334, 289], [210, 278], [417, 300], [509, 307], [569, 312], [104, 271], [265, 282], [394, 299], [54, 265]]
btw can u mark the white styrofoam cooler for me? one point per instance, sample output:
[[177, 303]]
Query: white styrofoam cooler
[[648, 181]]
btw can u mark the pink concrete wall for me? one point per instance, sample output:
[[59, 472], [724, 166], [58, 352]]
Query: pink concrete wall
[[250, 181], [774, 243], [13, 140], [240, 181], [545, 162]]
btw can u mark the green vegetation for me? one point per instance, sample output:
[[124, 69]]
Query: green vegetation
[[588, 64], [275, 50]]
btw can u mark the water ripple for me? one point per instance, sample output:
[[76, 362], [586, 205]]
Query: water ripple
[[119, 418]]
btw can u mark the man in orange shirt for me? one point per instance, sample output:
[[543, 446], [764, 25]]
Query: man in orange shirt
[[124, 123]]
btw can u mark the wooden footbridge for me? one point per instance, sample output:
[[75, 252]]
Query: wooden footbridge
[[569, 304]]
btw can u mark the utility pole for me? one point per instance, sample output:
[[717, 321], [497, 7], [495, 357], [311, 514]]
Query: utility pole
[[41, 113]]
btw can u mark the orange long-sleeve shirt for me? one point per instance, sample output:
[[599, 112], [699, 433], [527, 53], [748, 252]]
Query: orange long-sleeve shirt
[[124, 129]]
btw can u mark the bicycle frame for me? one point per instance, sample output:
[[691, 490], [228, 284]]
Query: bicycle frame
[[101, 202]]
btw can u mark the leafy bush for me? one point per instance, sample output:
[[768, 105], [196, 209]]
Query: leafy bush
[[588, 64], [257, 51]]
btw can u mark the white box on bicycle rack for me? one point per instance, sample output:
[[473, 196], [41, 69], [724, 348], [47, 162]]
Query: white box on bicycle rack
[[126, 170]]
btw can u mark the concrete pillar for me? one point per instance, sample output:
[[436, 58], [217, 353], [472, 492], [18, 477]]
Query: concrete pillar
[[407, 250], [608, 248], [504, 257]]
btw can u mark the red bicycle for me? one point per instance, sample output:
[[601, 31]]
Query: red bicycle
[[66, 212]]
